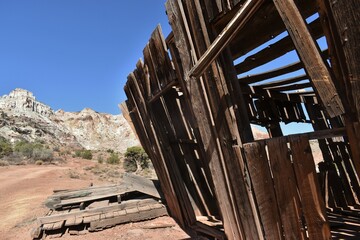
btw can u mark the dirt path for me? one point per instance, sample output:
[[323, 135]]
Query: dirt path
[[23, 189]]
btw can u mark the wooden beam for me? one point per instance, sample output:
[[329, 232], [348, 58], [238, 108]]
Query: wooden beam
[[223, 39], [297, 86], [249, 79], [275, 50], [282, 82], [310, 55]]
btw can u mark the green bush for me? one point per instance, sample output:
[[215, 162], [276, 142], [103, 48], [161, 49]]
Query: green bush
[[136, 159], [86, 154], [113, 158], [5, 147], [78, 153]]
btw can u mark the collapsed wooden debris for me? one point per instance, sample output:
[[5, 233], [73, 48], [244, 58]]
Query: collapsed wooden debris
[[95, 208]]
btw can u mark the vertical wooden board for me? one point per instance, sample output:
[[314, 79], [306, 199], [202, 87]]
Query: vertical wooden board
[[148, 61], [344, 18], [309, 54], [216, 91], [312, 202], [164, 130], [262, 184], [159, 163], [286, 189], [197, 185], [192, 94], [161, 59]]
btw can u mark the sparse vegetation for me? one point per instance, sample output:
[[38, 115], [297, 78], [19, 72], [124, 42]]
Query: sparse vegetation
[[85, 154], [113, 158], [100, 158], [4, 163], [136, 159], [26, 149], [5, 147]]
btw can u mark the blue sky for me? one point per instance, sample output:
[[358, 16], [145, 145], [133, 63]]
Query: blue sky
[[74, 54]]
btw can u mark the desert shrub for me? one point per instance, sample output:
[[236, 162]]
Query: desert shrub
[[5, 147], [100, 159], [86, 154], [136, 159], [113, 158], [78, 153], [26, 149], [56, 149], [110, 151], [42, 154], [4, 163]]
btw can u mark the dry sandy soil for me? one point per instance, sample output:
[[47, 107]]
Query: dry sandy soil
[[23, 189]]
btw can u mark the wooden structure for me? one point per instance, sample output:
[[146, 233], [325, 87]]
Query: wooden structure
[[95, 208], [224, 66]]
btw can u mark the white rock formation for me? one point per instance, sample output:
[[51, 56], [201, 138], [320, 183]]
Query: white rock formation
[[23, 117], [22, 101]]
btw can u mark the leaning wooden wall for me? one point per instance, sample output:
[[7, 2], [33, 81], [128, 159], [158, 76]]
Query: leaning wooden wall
[[195, 124]]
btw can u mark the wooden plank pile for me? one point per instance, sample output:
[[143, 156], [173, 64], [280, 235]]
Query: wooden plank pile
[[79, 211], [193, 98]]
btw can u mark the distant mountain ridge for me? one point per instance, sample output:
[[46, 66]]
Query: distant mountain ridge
[[23, 117]]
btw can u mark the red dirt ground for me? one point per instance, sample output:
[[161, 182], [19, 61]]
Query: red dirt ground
[[23, 189]]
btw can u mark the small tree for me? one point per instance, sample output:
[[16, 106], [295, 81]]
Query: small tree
[[136, 159]]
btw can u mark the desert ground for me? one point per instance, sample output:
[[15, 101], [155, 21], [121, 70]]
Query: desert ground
[[24, 188]]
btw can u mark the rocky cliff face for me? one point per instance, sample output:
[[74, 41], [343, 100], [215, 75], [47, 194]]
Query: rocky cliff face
[[23, 117]]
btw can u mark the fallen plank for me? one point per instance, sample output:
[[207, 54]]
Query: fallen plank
[[142, 184], [130, 215], [90, 212]]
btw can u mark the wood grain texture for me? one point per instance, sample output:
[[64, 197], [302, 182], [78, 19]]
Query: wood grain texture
[[309, 54]]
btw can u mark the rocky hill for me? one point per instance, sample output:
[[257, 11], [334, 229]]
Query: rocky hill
[[23, 117]]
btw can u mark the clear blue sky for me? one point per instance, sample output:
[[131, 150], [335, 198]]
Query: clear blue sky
[[74, 54]]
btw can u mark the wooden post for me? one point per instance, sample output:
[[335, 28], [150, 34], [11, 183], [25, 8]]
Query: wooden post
[[309, 54], [340, 21]]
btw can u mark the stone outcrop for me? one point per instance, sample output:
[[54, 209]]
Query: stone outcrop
[[21, 101], [23, 117]]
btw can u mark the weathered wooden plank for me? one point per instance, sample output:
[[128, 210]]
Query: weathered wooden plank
[[262, 183], [193, 95], [249, 79], [217, 88], [156, 152], [159, 115], [97, 211], [187, 159], [226, 35], [309, 54], [286, 189], [129, 216], [278, 83], [311, 199], [292, 87], [110, 193], [141, 184], [263, 26]]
